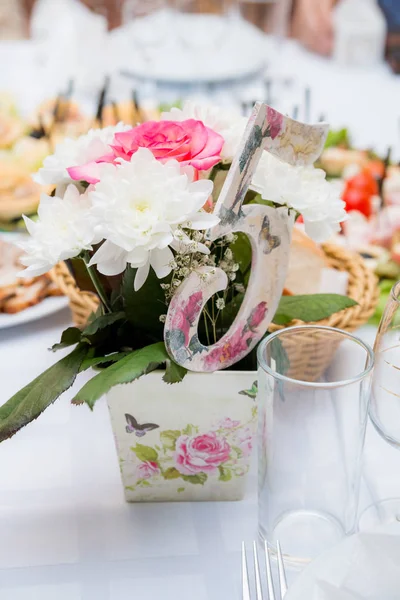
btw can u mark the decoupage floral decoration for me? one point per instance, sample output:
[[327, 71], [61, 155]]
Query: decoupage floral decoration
[[185, 275]]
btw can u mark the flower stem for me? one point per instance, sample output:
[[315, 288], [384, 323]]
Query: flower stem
[[98, 286]]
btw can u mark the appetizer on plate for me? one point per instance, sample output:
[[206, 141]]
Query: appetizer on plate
[[18, 294]]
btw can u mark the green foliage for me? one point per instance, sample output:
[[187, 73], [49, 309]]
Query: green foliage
[[199, 479], [310, 307], [385, 287], [145, 453], [98, 361], [144, 307], [190, 430], [174, 373], [168, 438], [224, 473], [69, 337], [27, 404], [339, 137], [171, 473], [241, 249], [102, 322], [127, 369]]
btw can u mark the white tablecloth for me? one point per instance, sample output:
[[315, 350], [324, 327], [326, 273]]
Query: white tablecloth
[[66, 531]]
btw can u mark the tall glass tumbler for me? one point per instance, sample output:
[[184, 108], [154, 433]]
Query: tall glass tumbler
[[314, 385]]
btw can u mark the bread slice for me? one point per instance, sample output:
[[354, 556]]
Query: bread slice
[[306, 264]]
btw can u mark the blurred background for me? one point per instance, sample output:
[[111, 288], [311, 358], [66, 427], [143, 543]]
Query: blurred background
[[312, 59]]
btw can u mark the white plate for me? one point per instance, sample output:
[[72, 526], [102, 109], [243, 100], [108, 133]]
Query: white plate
[[365, 566], [242, 54], [46, 307]]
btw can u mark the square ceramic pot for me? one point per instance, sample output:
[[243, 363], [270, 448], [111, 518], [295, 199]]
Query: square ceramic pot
[[188, 441]]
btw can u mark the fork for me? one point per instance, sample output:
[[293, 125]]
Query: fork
[[272, 595]]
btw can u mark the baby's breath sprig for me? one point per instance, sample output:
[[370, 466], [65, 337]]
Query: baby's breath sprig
[[192, 256]]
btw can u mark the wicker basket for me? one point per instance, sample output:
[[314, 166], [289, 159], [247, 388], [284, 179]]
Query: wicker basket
[[362, 287]]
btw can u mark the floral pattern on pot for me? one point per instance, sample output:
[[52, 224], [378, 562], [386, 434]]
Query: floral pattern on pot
[[194, 457]]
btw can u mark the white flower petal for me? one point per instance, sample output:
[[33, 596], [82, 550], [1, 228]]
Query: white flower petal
[[304, 189], [141, 276], [202, 220], [160, 261]]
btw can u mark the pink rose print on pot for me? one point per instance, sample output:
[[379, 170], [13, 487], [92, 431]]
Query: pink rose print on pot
[[189, 142], [147, 469], [201, 453], [275, 121], [244, 441], [228, 423]]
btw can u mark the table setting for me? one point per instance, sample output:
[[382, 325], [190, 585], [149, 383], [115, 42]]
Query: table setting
[[199, 311]]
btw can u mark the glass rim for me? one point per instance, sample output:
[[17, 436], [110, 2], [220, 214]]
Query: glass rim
[[395, 297], [318, 384]]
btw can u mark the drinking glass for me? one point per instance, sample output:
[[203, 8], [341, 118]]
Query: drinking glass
[[314, 385], [383, 465]]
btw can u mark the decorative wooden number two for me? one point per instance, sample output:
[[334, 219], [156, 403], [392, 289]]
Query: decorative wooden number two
[[269, 230]]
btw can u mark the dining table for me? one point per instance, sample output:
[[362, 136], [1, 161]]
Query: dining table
[[66, 532]]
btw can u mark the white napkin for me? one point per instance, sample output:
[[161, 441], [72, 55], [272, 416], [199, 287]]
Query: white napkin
[[74, 43], [363, 567]]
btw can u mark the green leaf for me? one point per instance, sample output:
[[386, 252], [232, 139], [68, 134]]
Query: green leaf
[[168, 438], [238, 451], [101, 360], [340, 137], [27, 404], [199, 479], [102, 322], [241, 249], [171, 473], [69, 337], [310, 307], [174, 373], [144, 307], [145, 453], [129, 368], [180, 490], [144, 483], [190, 430], [224, 474]]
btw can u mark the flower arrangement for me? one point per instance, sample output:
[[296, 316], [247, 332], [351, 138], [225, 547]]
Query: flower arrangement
[[131, 211]]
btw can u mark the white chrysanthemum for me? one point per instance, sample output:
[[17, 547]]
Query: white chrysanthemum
[[306, 190], [227, 122], [139, 207], [65, 227], [72, 153]]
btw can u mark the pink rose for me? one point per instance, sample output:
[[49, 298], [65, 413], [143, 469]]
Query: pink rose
[[257, 315], [189, 142], [200, 454], [228, 423], [183, 318], [244, 441], [147, 469], [232, 347], [275, 121]]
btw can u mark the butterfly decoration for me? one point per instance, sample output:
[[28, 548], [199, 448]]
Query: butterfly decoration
[[267, 241], [139, 430], [252, 392]]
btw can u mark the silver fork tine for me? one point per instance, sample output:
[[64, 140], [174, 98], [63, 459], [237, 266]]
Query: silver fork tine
[[281, 570], [269, 573], [245, 575], [257, 572]]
